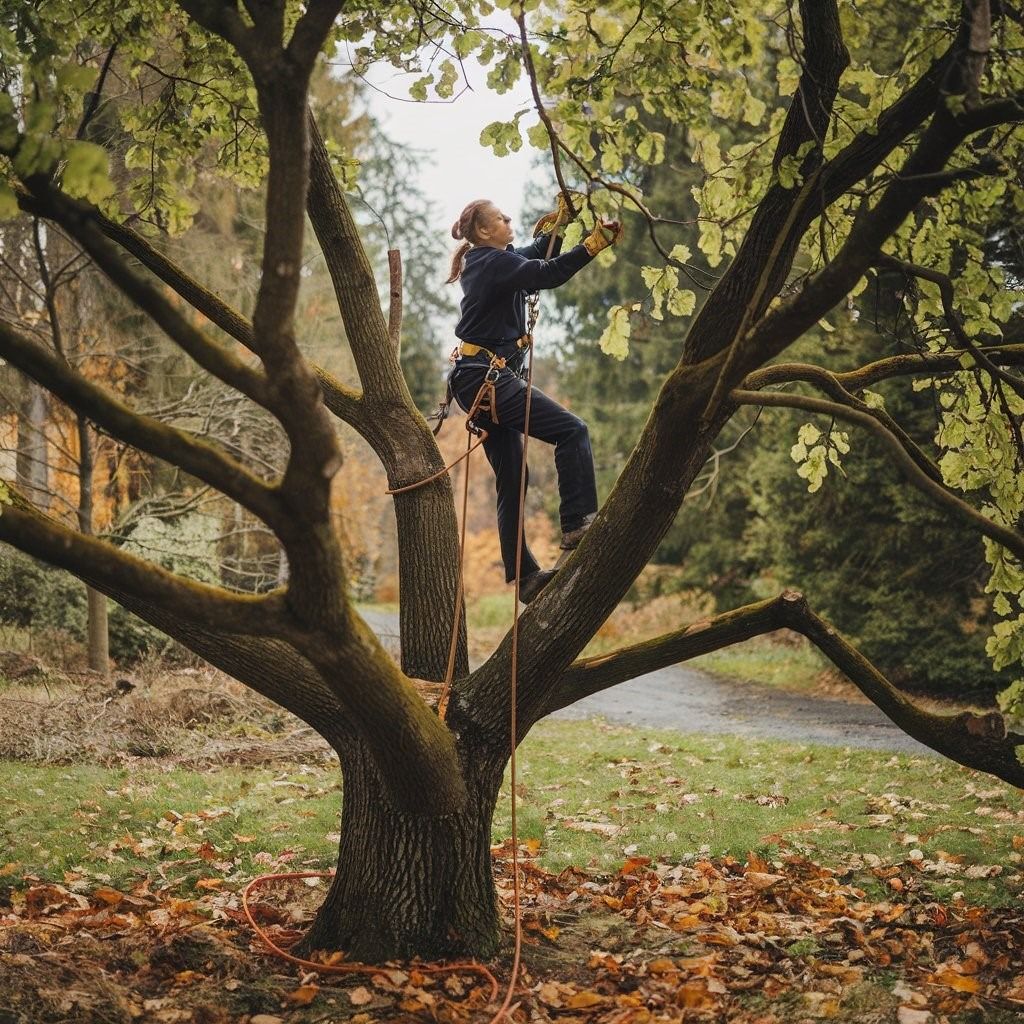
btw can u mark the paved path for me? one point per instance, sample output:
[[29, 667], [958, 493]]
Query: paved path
[[689, 700]]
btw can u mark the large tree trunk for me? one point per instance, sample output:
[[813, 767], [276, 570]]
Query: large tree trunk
[[409, 885]]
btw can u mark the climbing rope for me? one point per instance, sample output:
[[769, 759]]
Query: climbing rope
[[352, 968]]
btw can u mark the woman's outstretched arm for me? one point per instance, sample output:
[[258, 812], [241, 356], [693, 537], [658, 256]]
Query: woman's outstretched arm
[[538, 248], [512, 271]]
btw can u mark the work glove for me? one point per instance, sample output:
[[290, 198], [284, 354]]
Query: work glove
[[605, 233], [560, 216]]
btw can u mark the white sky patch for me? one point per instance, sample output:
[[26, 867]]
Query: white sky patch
[[455, 168]]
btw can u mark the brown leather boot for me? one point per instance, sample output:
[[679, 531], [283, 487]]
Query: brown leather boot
[[571, 540], [530, 586]]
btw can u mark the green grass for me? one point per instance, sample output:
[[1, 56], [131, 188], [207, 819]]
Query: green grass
[[648, 792], [794, 667]]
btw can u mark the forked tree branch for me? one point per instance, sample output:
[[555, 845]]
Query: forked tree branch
[[796, 314], [1011, 539], [311, 30], [342, 400], [975, 741], [831, 385]]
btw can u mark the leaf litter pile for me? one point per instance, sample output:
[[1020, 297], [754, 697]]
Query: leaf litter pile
[[758, 942]]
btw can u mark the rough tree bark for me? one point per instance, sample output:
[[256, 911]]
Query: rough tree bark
[[414, 868]]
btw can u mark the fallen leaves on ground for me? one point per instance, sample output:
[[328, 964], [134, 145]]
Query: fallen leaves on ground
[[753, 941]]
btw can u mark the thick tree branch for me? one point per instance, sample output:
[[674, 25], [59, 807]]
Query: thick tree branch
[[1010, 539], [76, 219], [355, 285], [26, 528], [908, 364], [395, 304], [866, 151], [428, 550], [976, 741], [980, 742], [174, 446], [281, 90], [592, 675]]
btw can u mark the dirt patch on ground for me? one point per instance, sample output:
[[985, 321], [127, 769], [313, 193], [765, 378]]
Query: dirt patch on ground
[[783, 942]]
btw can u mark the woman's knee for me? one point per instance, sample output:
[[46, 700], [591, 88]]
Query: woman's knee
[[576, 431]]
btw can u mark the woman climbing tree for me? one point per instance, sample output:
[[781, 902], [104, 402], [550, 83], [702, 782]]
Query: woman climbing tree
[[496, 279]]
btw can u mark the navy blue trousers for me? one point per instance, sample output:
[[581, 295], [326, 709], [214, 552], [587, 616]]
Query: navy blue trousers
[[550, 423]]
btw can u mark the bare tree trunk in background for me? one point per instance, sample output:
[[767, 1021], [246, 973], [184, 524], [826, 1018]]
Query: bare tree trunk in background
[[98, 626], [32, 466]]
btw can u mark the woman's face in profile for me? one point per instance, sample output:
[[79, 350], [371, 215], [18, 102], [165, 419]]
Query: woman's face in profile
[[497, 227]]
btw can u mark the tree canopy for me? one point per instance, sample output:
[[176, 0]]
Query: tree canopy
[[824, 143]]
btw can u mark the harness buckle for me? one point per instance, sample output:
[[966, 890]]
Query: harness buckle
[[497, 365]]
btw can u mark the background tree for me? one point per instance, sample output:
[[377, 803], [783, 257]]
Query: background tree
[[838, 182]]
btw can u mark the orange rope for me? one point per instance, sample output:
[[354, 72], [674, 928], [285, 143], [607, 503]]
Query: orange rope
[[512, 699], [352, 968], [440, 472], [442, 704]]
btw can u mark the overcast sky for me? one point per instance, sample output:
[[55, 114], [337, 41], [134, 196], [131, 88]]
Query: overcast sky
[[457, 169]]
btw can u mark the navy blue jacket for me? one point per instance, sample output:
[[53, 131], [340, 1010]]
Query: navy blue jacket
[[495, 283]]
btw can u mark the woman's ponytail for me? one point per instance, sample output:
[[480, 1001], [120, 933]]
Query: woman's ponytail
[[465, 229], [457, 257]]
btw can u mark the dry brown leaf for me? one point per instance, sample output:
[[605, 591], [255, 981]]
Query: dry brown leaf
[[109, 896], [955, 980], [762, 879], [360, 996], [303, 995], [581, 1000]]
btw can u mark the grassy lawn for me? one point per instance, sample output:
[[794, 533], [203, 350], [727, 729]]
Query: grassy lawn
[[591, 795]]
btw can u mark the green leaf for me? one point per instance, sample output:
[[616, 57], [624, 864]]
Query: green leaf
[[418, 89], [615, 339], [449, 76], [87, 173], [808, 433]]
